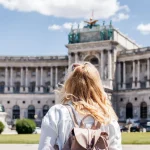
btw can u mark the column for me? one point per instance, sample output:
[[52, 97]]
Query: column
[[37, 82], [69, 59], [26, 80], [109, 65], [51, 79], [119, 75], [21, 80], [11, 80], [102, 65], [148, 73], [138, 74], [56, 76], [66, 70], [124, 75], [76, 57], [41, 88], [6, 79], [133, 75]]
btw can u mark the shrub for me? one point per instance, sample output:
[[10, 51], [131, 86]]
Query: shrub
[[25, 126], [1, 127]]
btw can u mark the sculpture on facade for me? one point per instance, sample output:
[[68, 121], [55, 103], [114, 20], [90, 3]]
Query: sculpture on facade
[[2, 108]]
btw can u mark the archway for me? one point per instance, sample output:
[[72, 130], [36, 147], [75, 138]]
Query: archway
[[16, 112], [143, 109], [129, 110], [31, 112], [92, 59]]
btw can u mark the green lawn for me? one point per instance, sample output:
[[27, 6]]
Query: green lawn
[[136, 138], [20, 139], [127, 138]]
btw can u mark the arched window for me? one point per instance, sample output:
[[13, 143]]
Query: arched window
[[16, 112], [143, 110], [94, 61], [31, 112], [129, 110], [45, 109], [2, 86]]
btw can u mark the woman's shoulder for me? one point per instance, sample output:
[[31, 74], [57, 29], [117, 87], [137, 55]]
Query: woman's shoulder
[[58, 112]]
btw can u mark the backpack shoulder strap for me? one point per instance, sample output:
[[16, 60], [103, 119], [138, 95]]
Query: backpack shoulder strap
[[73, 117]]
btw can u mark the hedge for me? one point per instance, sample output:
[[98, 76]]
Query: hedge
[[25, 126]]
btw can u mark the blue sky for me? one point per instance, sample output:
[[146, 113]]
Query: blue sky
[[40, 27]]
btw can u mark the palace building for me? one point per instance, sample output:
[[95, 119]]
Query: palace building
[[27, 83]]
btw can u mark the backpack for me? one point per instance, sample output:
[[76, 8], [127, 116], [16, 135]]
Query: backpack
[[82, 138]]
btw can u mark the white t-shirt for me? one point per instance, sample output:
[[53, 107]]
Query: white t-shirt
[[57, 124]]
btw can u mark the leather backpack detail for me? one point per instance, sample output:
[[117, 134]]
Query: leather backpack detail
[[82, 138]]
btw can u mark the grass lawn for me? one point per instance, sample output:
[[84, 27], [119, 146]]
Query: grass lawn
[[127, 138], [136, 138], [20, 139]]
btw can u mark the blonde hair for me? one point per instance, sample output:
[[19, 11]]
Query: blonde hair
[[83, 87]]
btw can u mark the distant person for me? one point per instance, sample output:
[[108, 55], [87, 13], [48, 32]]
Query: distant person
[[85, 96]]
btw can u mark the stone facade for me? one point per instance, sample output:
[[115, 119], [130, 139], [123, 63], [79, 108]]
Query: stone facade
[[27, 83]]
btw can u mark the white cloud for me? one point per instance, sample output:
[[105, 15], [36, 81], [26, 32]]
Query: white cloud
[[67, 8], [54, 27], [120, 16], [66, 26], [144, 28]]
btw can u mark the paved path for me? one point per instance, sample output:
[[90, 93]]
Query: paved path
[[35, 147]]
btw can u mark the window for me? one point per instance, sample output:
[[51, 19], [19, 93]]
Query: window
[[32, 87], [18, 74], [17, 87], [2, 73], [129, 111], [16, 112], [135, 99], [45, 109], [2, 87], [94, 61], [48, 74], [31, 112], [39, 102], [143, 110], [33, 73], [47, 87]]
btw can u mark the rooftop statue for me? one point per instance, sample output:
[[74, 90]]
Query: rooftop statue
[[91, 23]]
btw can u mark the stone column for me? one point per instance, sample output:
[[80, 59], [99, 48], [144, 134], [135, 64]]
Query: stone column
[[66, 70], [109, 65], [138, 74], [76, 57], [133, 75], [37, 81], [69, 59], [56, 76], [21, 80], [41, 88], [148, 73], [6, 79], [119, 75], [11, 80], [51, 79], [124, 75], [102, 65], [26, 81]]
